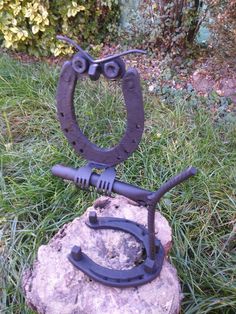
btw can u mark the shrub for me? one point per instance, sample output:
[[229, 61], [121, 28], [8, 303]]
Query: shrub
[[32, 26], [223, 26], [164, 25]]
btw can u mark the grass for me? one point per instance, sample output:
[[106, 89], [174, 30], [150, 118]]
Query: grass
[[34, 204]]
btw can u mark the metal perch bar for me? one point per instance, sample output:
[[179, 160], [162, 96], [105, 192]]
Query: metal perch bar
[[133, 192], [145, 197]]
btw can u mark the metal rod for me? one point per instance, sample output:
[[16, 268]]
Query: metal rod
[[74, 44], [179, 178], [108, 58], [124, 53], [133, 192], [155, 197]]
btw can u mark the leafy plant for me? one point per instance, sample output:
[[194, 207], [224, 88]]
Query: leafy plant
[[32, 26], [165, 26], [220, 107], [223, 26]]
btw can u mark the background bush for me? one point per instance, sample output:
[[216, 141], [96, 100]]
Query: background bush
[[165, 25], [169, 27], [223, 26], [32, 26]]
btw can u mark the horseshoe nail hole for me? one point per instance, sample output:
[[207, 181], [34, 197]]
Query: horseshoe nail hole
[[66, 130], [133, 141], [117, 206], [118, 157], [81, 150], [74, 143], [126, 151], [140, 277], [138, 126], [62, 114]]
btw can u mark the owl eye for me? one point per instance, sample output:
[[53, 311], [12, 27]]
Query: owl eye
[[79, 63], [114, 69]]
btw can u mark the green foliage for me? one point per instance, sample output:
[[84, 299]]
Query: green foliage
[[32, 26], [165, 26], [221, 108]]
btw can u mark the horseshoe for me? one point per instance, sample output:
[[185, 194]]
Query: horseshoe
[[106, 157]]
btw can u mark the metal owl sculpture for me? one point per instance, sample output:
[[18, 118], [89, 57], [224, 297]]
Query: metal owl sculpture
[[112, 68]]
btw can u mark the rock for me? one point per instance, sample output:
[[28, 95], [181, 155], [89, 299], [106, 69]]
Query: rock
[[202, 82], [54, 286]]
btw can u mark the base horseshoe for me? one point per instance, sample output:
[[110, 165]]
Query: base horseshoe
[[138, 275]]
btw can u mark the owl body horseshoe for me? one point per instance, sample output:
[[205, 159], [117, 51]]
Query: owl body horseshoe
[[135, 119]]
